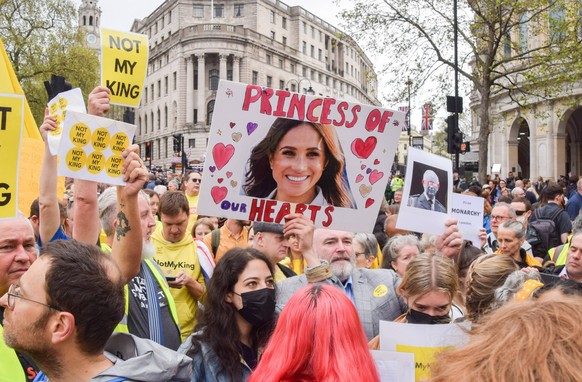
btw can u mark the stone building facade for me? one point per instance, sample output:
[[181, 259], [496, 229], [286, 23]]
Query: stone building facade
[[195, 44]]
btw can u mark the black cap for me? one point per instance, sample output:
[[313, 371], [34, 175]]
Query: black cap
[[267, 227]]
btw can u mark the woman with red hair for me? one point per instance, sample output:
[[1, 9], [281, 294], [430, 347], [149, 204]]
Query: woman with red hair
[[324, 341]]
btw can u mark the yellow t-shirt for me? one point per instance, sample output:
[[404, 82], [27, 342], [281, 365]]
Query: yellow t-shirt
[[173, 258], [193, 203]]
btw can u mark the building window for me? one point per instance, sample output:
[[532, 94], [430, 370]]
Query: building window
[[556, 19], [169, 17], [284, 40], [159, 120], [145, 123], [159, 88], [218, 10], [304, 48], [239, 10], [313, 74], [198, 10], [312, 51], [319, 54], [213, 76], [195, 80], [272, 35], [229, 74], [281, 84], [281, 63], [292, 68], [312, 31], [304, 27], [304, 72], [255, 79], [195, 115], [152, 94], [272, 17], [145, 95], [284, 22], [268, 59], [269, 81], [166, 85], [191, 143], [166, 116], [507, 45], [175, 80], [209, 112]]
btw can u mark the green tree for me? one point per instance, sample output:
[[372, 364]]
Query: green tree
[[41, 38], [518, 48]]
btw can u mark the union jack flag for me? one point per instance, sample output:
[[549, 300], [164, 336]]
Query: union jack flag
[[405, 110], [427, 117]]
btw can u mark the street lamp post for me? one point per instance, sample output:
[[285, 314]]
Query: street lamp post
[[298, 81], [409, 84]]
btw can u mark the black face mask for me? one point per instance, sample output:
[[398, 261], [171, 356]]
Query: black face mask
[[416, 317], [258, 306]]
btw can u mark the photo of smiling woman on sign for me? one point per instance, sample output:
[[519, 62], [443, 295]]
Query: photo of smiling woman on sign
[[299, 162]]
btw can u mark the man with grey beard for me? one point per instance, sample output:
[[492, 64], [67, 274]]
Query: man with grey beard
[[330, 258], [155, 321], [373, 292]]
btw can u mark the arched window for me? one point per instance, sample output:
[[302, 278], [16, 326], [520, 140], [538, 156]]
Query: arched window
[[209, 112], [213, 79], [90, 20], [145, 123], [153, 122]]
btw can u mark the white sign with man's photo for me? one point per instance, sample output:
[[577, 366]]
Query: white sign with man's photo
[[428, 186], [272, 152]]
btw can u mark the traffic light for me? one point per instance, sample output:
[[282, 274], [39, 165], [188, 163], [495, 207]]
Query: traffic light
[[457, 142], [452, 129], [177, 143], [148, 150]]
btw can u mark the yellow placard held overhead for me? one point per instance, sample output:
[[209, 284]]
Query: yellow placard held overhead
[[11, 121], [124, 60]]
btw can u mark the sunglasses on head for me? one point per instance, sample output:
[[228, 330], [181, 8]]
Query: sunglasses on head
[[519, 213]]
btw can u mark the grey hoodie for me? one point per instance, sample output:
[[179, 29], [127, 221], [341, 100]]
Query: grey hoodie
[[138, 359]]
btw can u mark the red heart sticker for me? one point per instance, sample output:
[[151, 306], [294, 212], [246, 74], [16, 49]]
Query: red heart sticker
[[376, 162], [375, 176], [363, 149], [220, 180], [359, 178], [222, 154], [369, 202], [218, 194], [232, 124]]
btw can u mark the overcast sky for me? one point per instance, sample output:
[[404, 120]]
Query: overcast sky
[[119, 14]]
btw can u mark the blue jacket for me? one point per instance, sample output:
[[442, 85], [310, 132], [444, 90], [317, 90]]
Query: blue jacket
[[206, 365]]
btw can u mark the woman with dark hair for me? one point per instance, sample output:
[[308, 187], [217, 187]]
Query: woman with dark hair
[[298, 162], [318, 338], [237, 318]]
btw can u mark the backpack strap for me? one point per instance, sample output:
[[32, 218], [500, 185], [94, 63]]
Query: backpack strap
[[557, 251], [215, 241]]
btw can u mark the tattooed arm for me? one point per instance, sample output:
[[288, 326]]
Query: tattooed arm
[[128, 239]]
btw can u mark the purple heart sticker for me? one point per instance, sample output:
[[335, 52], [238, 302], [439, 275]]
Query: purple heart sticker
[[212, 168], [251, 126], [368, 170]]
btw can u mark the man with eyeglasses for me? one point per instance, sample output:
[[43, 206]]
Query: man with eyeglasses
[[51, 315], [192, 182], [502, 212], [427, 200]]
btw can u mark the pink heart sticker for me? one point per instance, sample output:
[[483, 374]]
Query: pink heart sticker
[[359, 178], [222, 154], [375, 176], [376, 162], [369, 202], [363, 166], [228, 174], [363, 149], [218, 194]]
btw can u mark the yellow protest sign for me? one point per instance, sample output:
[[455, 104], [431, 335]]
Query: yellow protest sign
[[424, 357], [124, 60], [11, 120]]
